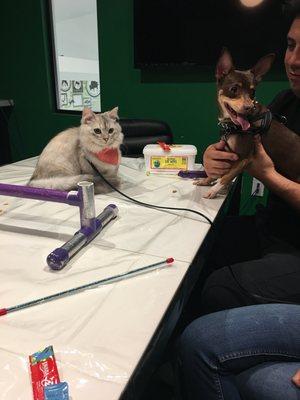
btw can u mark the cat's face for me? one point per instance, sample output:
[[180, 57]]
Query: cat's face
[[102, 129]]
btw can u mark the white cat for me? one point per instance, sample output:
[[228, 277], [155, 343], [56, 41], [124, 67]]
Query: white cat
[[67, 158]]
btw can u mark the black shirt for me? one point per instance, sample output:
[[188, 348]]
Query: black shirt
[[282, 220]]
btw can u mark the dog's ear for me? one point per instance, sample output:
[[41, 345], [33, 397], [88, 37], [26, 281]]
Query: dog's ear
[[224, 65], [262, 66]]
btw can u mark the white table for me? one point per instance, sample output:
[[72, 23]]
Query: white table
[[100, 335]]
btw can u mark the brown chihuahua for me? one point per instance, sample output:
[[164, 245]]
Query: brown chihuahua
[[241, 117]]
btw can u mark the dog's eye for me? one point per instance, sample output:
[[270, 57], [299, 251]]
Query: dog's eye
[[233, 89], [97, 130], [110, 130]]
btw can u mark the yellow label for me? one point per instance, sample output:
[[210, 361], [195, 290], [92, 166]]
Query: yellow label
[[171, 162]]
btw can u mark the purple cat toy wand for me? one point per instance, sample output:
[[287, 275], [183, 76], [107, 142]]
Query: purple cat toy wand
[[111, 279]]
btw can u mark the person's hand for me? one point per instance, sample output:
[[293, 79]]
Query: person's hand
[[261, 165], [296, 378], [216, 161]]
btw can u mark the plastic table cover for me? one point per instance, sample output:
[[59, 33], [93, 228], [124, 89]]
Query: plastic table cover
[[98, 335]]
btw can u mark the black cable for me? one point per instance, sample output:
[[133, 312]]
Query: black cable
[[146, 204], [244, 290]]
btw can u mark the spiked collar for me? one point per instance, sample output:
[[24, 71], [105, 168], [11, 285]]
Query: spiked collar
[[265, 118]]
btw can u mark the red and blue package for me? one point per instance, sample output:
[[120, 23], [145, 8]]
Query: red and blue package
[[43, 370]]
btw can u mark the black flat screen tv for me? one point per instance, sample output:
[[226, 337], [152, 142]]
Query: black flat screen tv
[[191, 33]]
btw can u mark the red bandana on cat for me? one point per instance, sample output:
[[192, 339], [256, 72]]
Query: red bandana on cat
[[108, 155]]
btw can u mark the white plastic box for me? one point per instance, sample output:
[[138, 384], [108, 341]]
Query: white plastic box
[[180, 157]]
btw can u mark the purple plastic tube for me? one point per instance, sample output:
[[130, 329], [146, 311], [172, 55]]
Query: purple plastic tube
[[59, 257], [28, 192]]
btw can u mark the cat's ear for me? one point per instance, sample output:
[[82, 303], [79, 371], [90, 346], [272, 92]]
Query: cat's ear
[[114, 113], [87, 116]]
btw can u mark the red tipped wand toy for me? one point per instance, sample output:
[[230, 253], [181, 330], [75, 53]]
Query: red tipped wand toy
[[111, 279]]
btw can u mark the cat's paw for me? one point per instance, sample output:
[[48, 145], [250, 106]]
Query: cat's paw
[[116, 182], [102, 187], [87, 177]]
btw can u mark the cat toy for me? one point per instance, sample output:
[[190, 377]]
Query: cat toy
[[59, 257], [90, 225], [111, 279]]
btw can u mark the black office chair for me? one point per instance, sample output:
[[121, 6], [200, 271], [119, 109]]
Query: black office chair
[[140, 132]]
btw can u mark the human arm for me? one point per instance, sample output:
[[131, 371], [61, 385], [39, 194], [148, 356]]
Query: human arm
[[262, 168], [217, 161]]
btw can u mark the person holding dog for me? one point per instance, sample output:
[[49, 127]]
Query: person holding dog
[[256, 259], [242, 349]]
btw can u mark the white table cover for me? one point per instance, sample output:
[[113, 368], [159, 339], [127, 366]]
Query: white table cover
[[98, 335]]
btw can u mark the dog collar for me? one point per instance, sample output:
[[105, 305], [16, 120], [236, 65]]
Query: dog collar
[[108, 155], [228, 128]]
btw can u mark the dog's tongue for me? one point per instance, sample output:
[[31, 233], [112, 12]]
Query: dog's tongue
[[243, 122]]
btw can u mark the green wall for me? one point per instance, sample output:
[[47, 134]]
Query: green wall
[[26, 77], [188, 106]]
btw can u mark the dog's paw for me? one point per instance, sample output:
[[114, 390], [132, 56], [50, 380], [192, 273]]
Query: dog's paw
[[203, 181], [210, 195], [217, 188], [224, 190]]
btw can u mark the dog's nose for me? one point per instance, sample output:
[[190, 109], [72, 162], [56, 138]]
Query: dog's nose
[[248, 108]]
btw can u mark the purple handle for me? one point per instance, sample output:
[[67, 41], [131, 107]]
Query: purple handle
[[192, 174]]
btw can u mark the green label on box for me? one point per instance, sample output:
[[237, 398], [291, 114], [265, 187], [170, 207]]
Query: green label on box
[[174, 162]]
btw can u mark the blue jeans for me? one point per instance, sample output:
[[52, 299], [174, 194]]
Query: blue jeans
[[248, 353]]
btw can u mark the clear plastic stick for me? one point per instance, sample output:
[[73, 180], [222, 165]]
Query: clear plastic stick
[[77, 289]]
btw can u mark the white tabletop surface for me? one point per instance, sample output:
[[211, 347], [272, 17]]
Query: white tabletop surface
[[98, 335]]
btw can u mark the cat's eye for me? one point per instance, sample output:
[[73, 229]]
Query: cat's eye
[[97, 130], [252, 93], [233, 89], [110, 130]]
